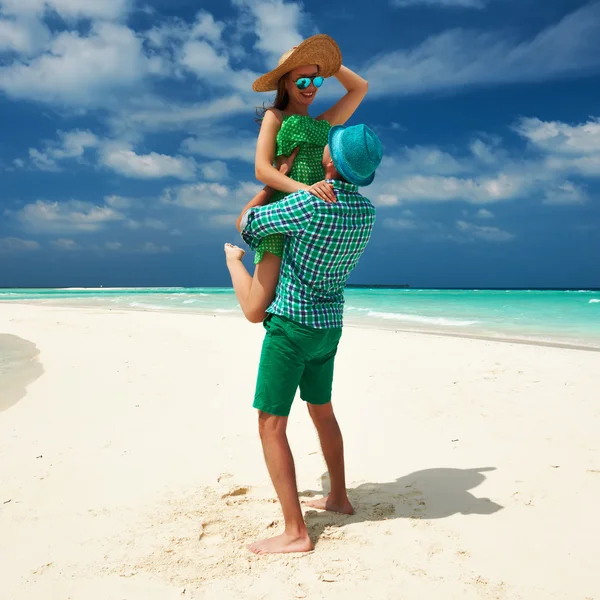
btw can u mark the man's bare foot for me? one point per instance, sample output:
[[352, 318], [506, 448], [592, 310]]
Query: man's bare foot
[[281, 544], [233, 252], [342, 506]]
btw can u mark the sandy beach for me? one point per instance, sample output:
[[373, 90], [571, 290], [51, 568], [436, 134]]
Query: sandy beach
[[131, 466]]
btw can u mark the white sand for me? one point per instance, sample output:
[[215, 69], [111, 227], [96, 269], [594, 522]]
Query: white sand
[[132, 469]]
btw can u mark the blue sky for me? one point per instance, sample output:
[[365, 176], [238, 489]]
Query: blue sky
[[127, 136]]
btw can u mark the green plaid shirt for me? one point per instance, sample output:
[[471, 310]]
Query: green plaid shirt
[[323, 243]]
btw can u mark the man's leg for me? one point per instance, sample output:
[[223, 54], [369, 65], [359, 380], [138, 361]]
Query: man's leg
[[280, 464], [332, 445], [281, 367]]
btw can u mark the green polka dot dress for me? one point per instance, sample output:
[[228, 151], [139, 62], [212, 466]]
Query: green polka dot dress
[[312, 137]]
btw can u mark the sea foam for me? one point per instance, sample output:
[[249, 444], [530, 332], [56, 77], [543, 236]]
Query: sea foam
[[421, 319]]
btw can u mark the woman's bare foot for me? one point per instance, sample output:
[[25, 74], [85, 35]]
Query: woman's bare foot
[[281, 544], [342, 506], [233, 252]]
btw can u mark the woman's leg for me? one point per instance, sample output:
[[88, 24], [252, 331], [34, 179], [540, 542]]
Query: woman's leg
[[253, 293]]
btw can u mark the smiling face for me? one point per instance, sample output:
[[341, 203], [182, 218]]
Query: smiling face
[[301, 97]]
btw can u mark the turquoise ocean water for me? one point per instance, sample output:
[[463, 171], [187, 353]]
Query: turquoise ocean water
[[567, 316]]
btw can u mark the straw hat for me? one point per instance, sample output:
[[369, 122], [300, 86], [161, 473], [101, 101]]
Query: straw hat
[[318, 50]]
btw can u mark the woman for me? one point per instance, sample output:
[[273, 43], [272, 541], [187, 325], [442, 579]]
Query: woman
[[297, 141]]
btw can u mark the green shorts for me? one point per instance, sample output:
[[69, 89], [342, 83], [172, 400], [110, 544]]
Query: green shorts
[[293, 356]]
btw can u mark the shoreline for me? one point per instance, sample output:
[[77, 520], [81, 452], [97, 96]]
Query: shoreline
[[348, 322]]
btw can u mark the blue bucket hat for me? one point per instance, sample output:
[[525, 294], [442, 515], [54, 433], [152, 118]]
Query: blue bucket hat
[[356, 153]]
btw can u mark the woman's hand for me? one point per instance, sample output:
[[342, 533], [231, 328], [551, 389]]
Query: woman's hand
[[356, 89], [323, 190]]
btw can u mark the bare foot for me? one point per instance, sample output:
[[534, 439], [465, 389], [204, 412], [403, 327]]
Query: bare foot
[[233, 252], [342, 506], [283, 543]]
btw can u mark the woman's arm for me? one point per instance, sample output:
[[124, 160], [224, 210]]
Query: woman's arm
[[270, 175], [265, 155], [284, 164], [356, 88]]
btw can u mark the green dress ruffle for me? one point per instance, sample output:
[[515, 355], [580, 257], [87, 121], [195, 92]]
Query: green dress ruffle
[[311, 136]]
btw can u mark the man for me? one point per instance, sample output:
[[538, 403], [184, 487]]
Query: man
[[304, 323]]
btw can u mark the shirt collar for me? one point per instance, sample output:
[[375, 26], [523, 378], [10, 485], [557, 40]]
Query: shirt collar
[[343, 186]]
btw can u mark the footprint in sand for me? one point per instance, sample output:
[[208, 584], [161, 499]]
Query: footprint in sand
[[382, 510], [236, 491]]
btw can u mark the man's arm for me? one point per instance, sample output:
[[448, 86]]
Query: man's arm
[[289, 216], [261, 199]]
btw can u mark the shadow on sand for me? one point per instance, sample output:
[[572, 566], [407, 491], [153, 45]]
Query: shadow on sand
[[427, 494], [19, 367]]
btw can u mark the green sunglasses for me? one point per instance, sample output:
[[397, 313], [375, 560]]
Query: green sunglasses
[[304, 82]]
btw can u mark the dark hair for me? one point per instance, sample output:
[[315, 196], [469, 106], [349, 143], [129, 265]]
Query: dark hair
[[281, 101]]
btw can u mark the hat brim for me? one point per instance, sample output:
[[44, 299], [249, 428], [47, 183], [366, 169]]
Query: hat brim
[[337, 157], [320, 50]]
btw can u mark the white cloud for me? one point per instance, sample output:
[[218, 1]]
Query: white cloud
[[483, 213], [175, 31], [488, 234], [562, 138], [148, 223], [424, 160], [11, 245], [476, 190], [277, 25], [462, 231], [122, 159], [459, 58], [207, 196], [566, 193], [215, 170], [68, 216], [225, 221], [72, 144], [42, 161], [80, 70], [568, 148], [442, 3], [198, 48], [400, 224], [486, 154], [68, 9], [64, 244], [245, 191], [199, 196], [202, 59], [387, 200], [206, 27], [488, 173], [90, 9], [159, 115], [145, 248], [121, 203], [588, 166], [223, 144], [23, 36]]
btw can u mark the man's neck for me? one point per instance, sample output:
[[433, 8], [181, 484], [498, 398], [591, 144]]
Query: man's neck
[[333, 174]]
